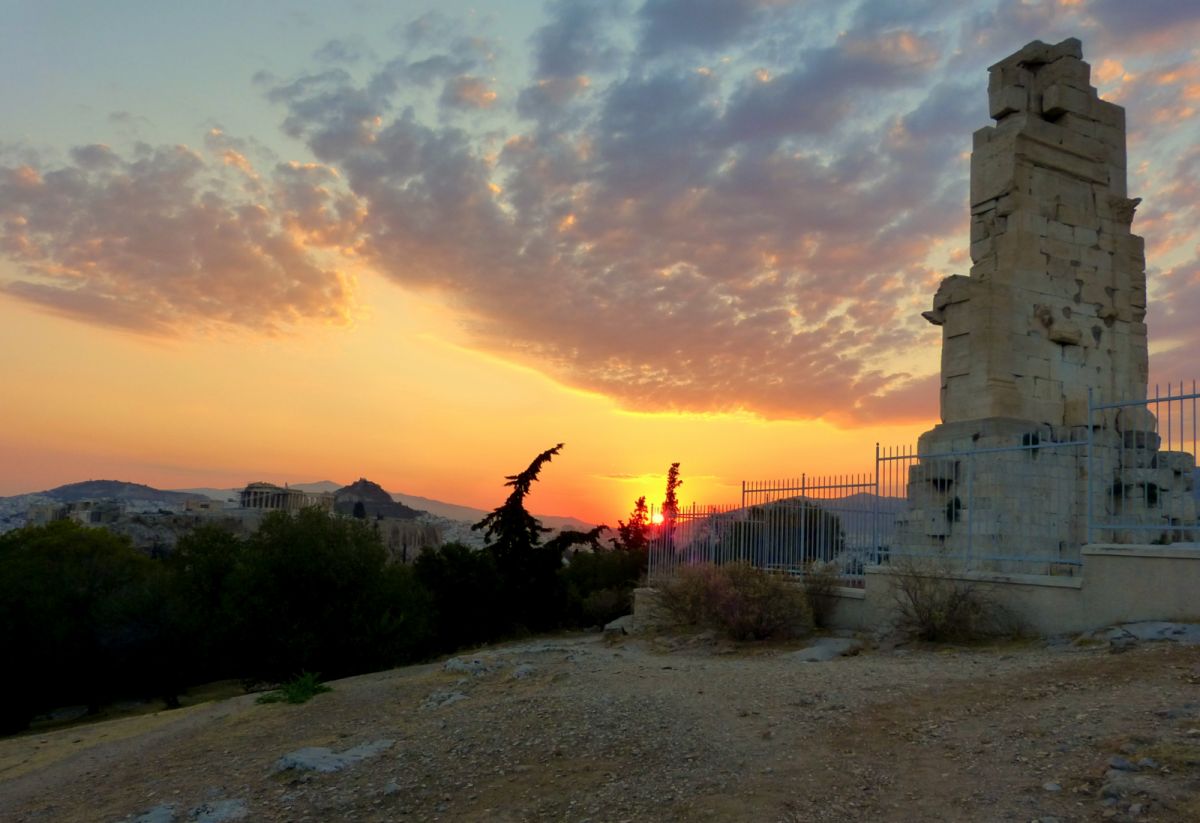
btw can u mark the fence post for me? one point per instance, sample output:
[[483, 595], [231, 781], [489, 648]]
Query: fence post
[[970, 511], [878, 506], [1090, 475]]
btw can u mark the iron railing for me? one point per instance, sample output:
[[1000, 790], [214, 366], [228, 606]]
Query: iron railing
[[1027, 507]]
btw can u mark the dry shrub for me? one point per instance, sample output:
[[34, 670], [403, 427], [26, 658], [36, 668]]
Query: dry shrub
[[935, 605], [820, 579], [738, 600]]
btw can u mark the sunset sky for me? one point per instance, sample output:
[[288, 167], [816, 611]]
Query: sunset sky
[[422, 242]]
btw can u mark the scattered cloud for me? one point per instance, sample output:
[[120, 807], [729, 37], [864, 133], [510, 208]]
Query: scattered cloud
[[159, 241], [736, 205]]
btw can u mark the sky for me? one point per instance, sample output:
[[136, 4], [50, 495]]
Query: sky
[[423, 242]]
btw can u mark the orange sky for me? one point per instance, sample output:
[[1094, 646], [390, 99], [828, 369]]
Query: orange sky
[[393, 398], [424, 244]]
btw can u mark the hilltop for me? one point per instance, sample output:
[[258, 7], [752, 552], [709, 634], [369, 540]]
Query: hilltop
[[663, 728], [116, 490]]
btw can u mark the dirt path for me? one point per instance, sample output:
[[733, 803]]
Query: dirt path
[[572, 729]]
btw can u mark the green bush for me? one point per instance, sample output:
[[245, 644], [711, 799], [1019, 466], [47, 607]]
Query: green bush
[[740, 601], [314, 593], [464, 593], [599, 585], [78, 620], [298, 690]]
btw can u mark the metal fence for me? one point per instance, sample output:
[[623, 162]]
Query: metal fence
[[1142, 468], [1027, 503], [961, 509], [782, 526]]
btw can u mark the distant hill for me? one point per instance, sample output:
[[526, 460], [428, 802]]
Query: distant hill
[[116, 489], [375, 502], [453, 511], [438, 508]]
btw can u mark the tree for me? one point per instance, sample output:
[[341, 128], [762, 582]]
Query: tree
[[313, 594], [74, 618], [509, 529], [634, 535], [528, 571], [670, 507]]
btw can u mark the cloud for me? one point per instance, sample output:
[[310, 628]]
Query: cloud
[[672, 245], [160, 242], [467, 92], [577, 39], [746, 209], [670, 25]]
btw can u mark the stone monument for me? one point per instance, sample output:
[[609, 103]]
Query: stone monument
[[1054, 307]]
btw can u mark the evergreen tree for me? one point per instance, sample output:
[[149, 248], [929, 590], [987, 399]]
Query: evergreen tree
[[528, 571], [633, 535], [510, 530], [670, 507]]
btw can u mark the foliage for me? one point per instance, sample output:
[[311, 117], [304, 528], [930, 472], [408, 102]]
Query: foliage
[[465, 595], [634, 535], [935, 604], [528, 571], [820, 579], [300, 689], [510, 529], [670, 509], [599, 585], [570, 538], [315, 594], [77, 627], [738, 600], [87, 619], [791, 533]]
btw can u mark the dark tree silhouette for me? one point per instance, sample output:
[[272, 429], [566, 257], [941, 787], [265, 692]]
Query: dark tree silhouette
[[633, 535], [509, 529], [568, 538], [670, 507], [528, 570]]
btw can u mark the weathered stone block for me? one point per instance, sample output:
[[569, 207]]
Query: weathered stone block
[[1060, 98], [1007, 100]]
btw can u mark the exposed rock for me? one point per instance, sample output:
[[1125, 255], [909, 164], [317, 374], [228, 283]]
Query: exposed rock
[[163, 813], [321, 759], [219, 811], [824, 649], [619, 627], [440, 699], [476, 667]]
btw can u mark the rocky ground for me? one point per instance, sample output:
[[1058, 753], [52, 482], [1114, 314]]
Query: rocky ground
[[661, 728]]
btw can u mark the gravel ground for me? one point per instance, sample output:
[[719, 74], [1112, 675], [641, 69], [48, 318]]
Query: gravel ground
[[667, 728]]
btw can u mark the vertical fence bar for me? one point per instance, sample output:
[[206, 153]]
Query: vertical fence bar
[[1090, 473]]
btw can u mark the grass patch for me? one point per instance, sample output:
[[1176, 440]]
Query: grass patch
[[1176, 757], [300, 690]]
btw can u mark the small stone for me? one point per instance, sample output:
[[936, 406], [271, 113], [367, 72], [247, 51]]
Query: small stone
[[1051, 786], [1121, 764], [1147, 763], [1135, 809]]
